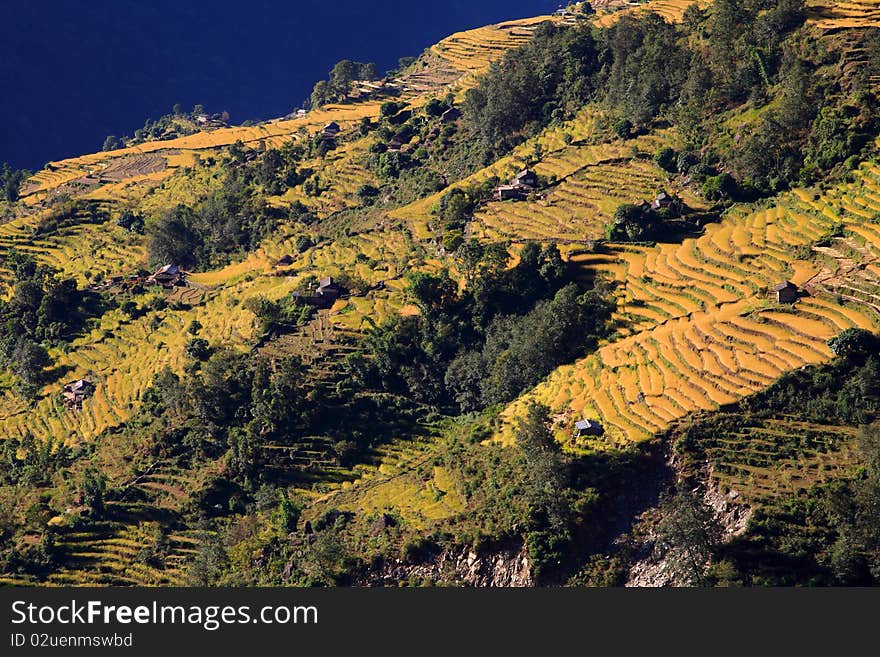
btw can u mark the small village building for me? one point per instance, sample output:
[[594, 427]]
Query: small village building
[[324, 296], [301, 113], [511, 192], [328, 291], [520, 186], [786, 292], [661, 201], [585, 427], [167, 276], [395, 144], [450, 115], [331, 130], [75, 392], [526, 177], [285, 261]]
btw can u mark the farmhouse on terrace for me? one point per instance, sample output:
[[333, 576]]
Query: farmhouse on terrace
[[75, 392], [521, 184], [588, 428], [786, 292], [168, 276], [325, 296]]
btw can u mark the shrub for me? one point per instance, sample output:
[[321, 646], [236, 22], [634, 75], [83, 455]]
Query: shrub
[[622, 128], [198, 349], [666, 159], [853, 342], [722, 187]]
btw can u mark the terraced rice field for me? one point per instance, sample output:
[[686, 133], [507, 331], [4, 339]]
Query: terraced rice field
[[579, 208], [94, 249], [766, 460], [561, 159], [700, 327], [402, 478], [837, 15], [340, 175], [122, 356], [115, 553], [639, 384], [146, 162], [671, 10], [473, 51]]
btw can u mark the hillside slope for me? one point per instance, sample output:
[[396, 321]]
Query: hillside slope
[[243, 425]]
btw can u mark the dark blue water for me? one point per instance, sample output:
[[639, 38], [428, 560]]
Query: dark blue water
[[74, 71]]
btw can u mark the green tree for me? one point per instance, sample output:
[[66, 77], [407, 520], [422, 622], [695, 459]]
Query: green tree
[[432, 293], [687, 536], [321, 94], [11, 180], [93, 487], [198, 349], [288, 513], [543, 455], [111, 143], [667, 159], [853, 342], [173, 239], [722, 187]]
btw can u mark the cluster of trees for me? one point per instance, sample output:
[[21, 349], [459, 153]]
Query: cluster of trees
[[29, 462], [734, 54], [275, 316], [416, 172], [231, 220], [554, 505], [10, 181], [550, 77], [338, 86], [45, 308], [485, 345], [519, 351]]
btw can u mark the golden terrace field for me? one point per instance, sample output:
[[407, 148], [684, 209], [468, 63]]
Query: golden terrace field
[[670, 10], [122, 355], [699, 327], [839, 15]]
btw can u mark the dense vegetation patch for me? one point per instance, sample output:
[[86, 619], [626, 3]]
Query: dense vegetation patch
[[507, 331], [235, 218], [45, 310], [793, 116], [10, 182]]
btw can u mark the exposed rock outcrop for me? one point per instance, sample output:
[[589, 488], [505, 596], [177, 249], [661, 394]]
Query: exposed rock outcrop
[[503, 567]]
